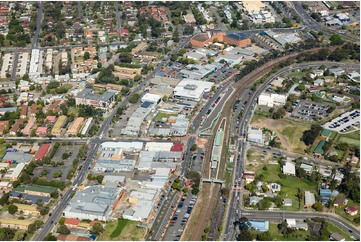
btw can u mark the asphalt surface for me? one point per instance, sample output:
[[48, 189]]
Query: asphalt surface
[[39, 17], [174, 232], [117, 15], [235, 204]]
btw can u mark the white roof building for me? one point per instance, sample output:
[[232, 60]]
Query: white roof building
[[128, 146], [13, 174], [140, 212], [191, 89], [34, 62], [152, 98], [272, 99], [255, 134], [158, 146], [289, 169]]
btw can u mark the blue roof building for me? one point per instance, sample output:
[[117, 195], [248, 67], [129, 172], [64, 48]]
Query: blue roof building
[[325, 193], [259, 225]]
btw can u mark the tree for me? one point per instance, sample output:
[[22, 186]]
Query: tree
[[97, 229], [309, 136], [65, 156], [19, 235], [61, 221], [86, 55], [265, 236], [5, 198], [50, 237], [57, 174], [44, 210], [317, 206], [44, 172], [12, 209], [134, 98], [194, 147], [336, 39], [280, 113], [63, 229]]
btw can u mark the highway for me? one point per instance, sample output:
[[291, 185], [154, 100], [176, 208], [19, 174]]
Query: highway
[[235, 205]]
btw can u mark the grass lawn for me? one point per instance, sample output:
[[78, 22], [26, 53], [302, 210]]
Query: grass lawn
[[74, 111], [299, 235], [260, 115], [162, 115], [294, 134], [2, 150], [352, 138], [227, 178], [121, 230]]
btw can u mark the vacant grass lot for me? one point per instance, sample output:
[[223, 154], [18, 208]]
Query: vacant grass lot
[[123, 229], [162, 115], [288, 131]]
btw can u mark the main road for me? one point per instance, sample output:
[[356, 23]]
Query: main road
[[235, 205]]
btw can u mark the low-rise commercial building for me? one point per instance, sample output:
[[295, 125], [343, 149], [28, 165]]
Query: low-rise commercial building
[[95, 202], [191, 89], [272, 99]]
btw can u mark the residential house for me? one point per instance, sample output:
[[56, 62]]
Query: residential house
[[316, 73], [248, 176], [336, 237], [289, 168], [339, 202], [254, 200], [309, 199], [287, 202], [307, 168], [352, 210]]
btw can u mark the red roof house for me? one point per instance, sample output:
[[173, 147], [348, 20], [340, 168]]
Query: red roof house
[[352, 210], [50, 119], [42, 151], [71, 222], [178, 147], [41, 130], [124, 32]]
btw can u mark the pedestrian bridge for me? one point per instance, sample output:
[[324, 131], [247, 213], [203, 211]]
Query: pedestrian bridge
[[212, 181]]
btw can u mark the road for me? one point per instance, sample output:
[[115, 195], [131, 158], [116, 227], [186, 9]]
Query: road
[[80, 10], [315, 26], [58, 210], [281, 215], [235, 204], [39, 17], [94, 147], [117, 15]]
